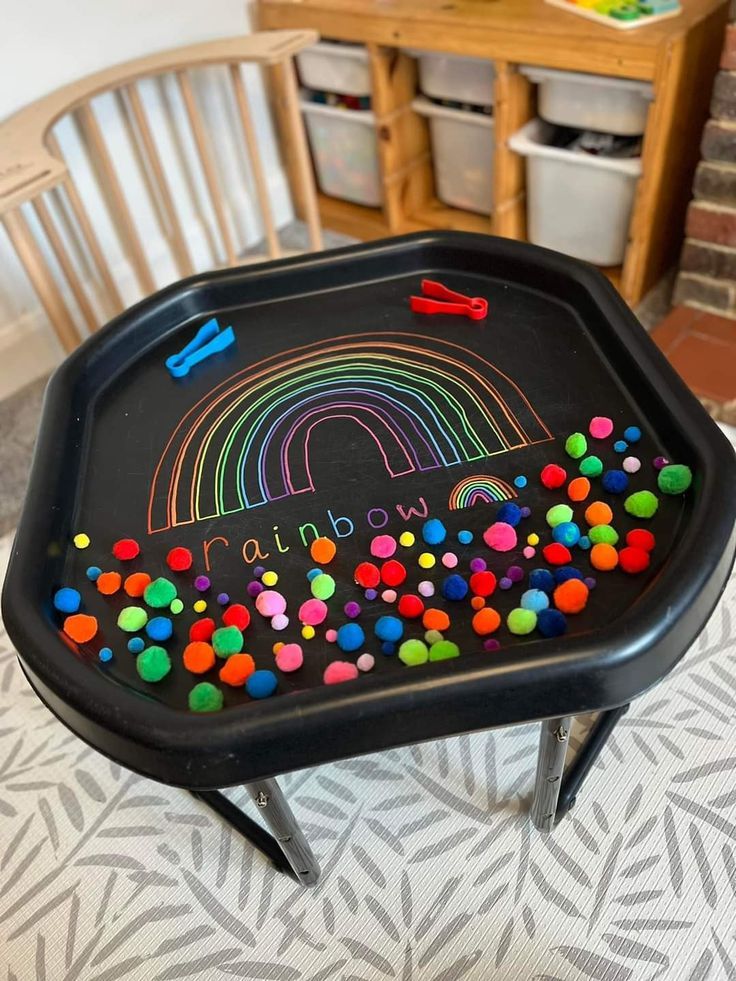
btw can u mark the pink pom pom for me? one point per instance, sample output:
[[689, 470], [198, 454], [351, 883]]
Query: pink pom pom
[[365, 662], [339, 671], [501, 537], [529, 552], [330, 636], [600, 427], [290, 657], [383, 546], [312, 612], [270, 603]]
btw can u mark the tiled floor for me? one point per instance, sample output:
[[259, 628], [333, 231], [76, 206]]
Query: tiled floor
[[702, 348]]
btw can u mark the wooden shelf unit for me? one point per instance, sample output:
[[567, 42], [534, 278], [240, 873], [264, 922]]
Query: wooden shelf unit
[[679, 56]]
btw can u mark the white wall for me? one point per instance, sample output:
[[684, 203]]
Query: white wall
[[46, 43]]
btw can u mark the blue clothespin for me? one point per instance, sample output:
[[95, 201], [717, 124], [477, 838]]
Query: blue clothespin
[[207, 341]]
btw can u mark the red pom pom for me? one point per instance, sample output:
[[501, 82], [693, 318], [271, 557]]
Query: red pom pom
[[393, 573], [179, 559], [556, 554], [410, 606], [641, 538], [633, 560], [483, 583], [553, 476], [126, 549], [367, 575], [202, 629], [236, 616]]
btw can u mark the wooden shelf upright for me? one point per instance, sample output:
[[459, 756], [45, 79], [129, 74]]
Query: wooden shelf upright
[[679, 56]]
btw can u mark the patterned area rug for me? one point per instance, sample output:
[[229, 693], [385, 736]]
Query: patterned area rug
[[431, 869]]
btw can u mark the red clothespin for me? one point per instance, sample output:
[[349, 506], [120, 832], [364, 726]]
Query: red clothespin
[[439, 299]]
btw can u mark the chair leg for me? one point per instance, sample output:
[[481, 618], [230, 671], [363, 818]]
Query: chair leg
[[286, 846], [555, 791]]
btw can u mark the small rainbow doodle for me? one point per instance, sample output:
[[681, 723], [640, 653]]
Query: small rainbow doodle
[[427, 403], [479, 488]]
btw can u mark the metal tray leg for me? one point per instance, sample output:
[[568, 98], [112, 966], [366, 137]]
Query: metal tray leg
[[555, 790], [287, 847]]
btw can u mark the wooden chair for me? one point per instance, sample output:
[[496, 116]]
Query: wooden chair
[[32, 168]]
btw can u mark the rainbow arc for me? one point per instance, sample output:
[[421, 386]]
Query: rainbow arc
[[480, 489]]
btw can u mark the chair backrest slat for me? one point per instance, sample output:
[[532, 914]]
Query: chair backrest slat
[[303, 165], [41, 278]]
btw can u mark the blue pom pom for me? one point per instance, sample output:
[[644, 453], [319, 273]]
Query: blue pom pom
[[454, 588], [350, 637], [434, 532], [534, 599], [542, 579], [136, 645], [93, 573], [620, 446], [510, 513], [313, 573], [105, 654], [615, 481], [261, 684], [566, 533], [520, 481], [565, 572], [465, 537], [388, 648], [389, 628], [584, 543], [159, 628], [551, 623], [632, 434], [67, 600]]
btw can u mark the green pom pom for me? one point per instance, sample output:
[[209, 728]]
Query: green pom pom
[[521, 621], [323, 586], [176, 606], [674, 478], [153, 664], [432, 636], [414, 652], [642, 504], [576, 445], [132, 619], [204, 697], [443, 650], [591, 466], [227, 641], [160, 593], [603, 534], [558, 514]]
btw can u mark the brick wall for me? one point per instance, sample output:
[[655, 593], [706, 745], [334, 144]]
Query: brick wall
[[707, 277]]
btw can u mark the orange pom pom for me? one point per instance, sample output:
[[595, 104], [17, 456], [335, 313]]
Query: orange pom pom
[[80, 627], [603, 557], [136, 583], [109, 582], [478, 602], [198, 657], [486, 621], [598, 513], [571, 596], [578, 489], [237, 669], [435, 619], [322, 550]]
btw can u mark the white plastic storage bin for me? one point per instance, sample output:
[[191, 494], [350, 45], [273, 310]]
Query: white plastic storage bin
[[576, 203], [610, 105], [456, 79], [462, 150], [345, 152], [341, 68]]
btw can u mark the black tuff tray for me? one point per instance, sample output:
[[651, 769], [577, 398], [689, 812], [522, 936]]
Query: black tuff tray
[[125, 450]]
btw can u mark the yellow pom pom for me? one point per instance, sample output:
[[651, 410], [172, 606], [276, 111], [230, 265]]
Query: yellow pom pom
[[532, 539], [269, 578], [200, 606], [308, 631], [426, 560], [81, 540], [407, 539], [277, 646]]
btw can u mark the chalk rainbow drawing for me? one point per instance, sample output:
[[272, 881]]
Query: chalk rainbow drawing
[[426, 403], [479, 489]]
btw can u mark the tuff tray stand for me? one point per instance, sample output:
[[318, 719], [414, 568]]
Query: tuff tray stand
[[555, 325]]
